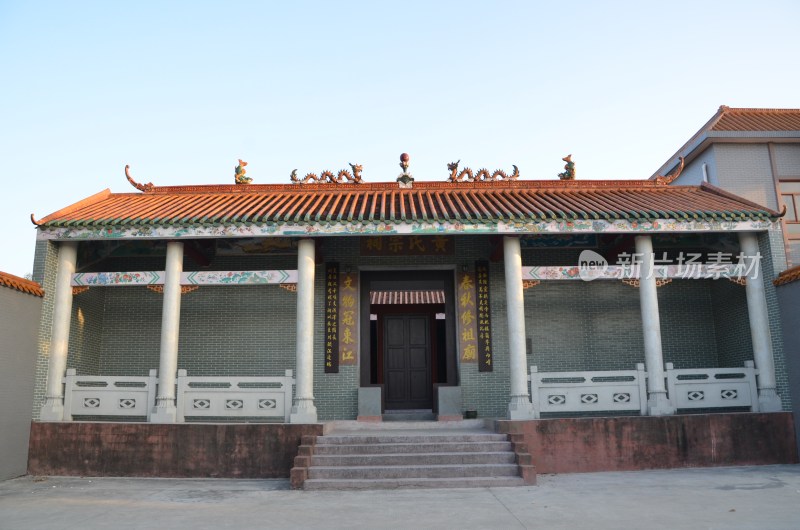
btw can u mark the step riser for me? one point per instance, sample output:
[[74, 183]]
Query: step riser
[[389, 439], [487, 482], [413, 459], [502, 470], [470, 447]]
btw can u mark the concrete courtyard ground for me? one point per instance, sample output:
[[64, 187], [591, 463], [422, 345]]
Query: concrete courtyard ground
[[763, 497]]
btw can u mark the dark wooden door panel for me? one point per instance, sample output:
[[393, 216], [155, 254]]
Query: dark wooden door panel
[[407, 361]]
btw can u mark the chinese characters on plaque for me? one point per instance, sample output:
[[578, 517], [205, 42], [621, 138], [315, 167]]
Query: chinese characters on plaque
[[484, 317], [467, 317], [407, 246], [348, 330], [331, 318]]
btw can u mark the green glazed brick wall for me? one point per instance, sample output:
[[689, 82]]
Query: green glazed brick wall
[[688, 334], [45, 264], [773, 260], [87, 331], [576, 326], [732, 323]]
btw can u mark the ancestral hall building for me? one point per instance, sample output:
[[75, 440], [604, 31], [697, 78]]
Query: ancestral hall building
[[191, 303]]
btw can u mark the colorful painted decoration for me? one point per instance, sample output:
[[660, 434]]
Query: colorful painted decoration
[[114, 279], [402, 228]]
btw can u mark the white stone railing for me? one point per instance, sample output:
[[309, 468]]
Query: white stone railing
[[607, 391], [706, 388], [234, 397], [92, 395]]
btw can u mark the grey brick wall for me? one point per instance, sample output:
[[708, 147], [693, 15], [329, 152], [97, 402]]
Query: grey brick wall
[[19, 325], [787, 160], [745, 169]]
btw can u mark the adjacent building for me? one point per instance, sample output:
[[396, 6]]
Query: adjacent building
[[20, 308], [754, 153]]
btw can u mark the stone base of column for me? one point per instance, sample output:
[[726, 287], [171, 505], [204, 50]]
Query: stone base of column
[[520, 408], [303, 411], [769, 400], [52, 410], [659, 405], [164, 412]]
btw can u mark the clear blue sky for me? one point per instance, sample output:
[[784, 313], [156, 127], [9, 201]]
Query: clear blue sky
[[180, 90]]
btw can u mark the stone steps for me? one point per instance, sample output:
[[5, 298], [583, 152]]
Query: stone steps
[[407, 483], [416, 458], [406, 459], [401, 448]]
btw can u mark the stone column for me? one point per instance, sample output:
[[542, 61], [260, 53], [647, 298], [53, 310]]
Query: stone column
[[657, 402], [165, 410], [303, 410], [520, 407], [768, 398], [53, 408]]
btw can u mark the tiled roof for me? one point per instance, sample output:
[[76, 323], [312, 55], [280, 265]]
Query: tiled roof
[[478, 202], [406, 297], [21, 284], [788, 276], [729, 119]]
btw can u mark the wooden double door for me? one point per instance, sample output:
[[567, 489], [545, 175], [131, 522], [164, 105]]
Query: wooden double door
[[407, 348]]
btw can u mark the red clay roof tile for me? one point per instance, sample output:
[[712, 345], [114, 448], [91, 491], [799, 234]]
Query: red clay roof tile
[[21, 284], [757, 120], [788, 276], [426, 201]]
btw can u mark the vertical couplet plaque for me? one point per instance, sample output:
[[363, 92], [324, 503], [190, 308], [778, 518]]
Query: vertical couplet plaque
[[348, 294], [467, 318], [485, 358], [331, 318]]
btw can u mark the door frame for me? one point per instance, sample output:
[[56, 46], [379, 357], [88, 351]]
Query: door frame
[[408, 279]]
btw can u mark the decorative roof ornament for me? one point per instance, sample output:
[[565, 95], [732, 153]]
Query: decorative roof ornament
[[569, 169], [482, 174], [239, 177], [328, 176], [665, 180], [141, 187], [405, 179]]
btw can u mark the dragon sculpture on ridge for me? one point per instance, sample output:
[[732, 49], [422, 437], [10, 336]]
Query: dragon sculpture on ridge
[[239, 176], [569, 169], [328, 176], [482, 174]]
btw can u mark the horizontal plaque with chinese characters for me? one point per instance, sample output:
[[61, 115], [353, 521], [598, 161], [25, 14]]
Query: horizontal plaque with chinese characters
[[407, 246]]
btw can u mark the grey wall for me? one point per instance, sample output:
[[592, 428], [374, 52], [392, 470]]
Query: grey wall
[[745, 169], [692, 174], [19, 321], [789, 301]]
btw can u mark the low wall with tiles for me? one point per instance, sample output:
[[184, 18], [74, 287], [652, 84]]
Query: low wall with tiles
[[582, 445], [158, 450]]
